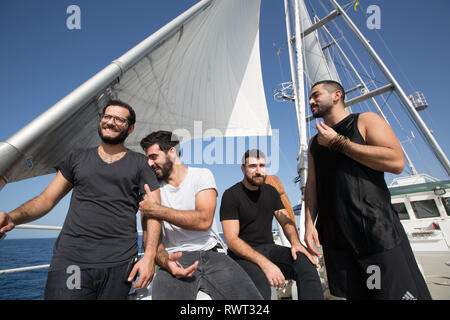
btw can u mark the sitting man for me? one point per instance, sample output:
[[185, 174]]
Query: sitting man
[[188, 251], [246, 213]]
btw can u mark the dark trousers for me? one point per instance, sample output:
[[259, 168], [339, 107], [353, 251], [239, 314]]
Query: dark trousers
[[389, 275], [301, 270], [88, 284]]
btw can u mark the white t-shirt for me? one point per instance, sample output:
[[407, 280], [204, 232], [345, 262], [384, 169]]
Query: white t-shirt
[[183, 198]]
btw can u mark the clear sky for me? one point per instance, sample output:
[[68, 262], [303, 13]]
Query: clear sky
[[41, 61]]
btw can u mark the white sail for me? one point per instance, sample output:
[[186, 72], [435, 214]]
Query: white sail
[[204, 68], [317, 66]]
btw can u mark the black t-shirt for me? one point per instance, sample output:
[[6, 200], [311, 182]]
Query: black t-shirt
[[254, 210], [100, 227]]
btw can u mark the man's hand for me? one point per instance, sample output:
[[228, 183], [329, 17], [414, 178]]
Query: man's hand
[[273, 274], [298, 247], [325, 134], [146, 269], [177, 270], [311, 238], [6, 223], [150, 204]]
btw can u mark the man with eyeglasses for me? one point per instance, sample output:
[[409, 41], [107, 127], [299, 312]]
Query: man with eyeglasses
[[98, 241]]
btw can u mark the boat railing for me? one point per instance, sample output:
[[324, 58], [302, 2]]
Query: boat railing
[[37, 267], [276, 234]]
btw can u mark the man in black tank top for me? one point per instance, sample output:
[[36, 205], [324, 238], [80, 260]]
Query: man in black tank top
[[366, 250]]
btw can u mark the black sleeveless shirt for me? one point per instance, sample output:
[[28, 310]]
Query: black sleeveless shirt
[[354, 203]]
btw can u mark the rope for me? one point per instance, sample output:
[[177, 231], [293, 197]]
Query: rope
[[446, 283]]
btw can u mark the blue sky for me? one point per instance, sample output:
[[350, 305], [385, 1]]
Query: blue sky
[[41, 61]]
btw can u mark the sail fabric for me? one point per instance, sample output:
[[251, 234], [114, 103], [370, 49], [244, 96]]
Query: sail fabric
[[318, 66], [204, 80], [208, 71]]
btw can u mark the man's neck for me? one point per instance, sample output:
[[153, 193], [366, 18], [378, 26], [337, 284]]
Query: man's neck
[[336, 116], [249, 186], [112, 149], [178, 174], [111, 153]]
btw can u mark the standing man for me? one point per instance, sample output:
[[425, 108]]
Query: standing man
[[366, 250], [246, 212], [99, 235], [189, 233]]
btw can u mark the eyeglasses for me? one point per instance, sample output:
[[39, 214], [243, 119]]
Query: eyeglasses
[[118, 120]]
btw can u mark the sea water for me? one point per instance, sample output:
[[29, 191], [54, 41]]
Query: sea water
[[17, 253]]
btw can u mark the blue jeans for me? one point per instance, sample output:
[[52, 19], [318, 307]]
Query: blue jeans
[[93, 284], [217, 275], [302, 270]]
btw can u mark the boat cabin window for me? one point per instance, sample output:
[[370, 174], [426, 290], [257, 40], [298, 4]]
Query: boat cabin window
[[425, 209], [401, 210], [446, 203]]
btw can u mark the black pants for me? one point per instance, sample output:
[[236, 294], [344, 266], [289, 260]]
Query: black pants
[[389, 275], [300, 270], [92, 284]]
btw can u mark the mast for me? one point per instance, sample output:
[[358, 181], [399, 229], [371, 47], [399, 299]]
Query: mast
[[299, 106], [298, 88]]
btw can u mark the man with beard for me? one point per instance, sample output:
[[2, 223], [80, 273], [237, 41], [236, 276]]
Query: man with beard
[[99, 238], [246, 212], [188, 251], [366, 250]]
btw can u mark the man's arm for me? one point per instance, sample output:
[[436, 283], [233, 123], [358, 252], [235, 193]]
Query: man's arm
[[311, 209], [199, 219], [290, 231], [151, 233], [37, 207], [383, 151], [245, 251]]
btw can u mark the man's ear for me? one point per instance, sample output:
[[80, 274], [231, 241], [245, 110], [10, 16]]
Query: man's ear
[[131, 129], [337, 95], [172, 154]]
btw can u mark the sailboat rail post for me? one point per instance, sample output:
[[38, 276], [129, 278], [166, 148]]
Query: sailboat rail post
[[15, 148], [398, 89]]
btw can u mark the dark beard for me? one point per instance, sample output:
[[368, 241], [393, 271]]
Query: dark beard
[[322, 111], [253, 182], [166, 170], [117, 140]]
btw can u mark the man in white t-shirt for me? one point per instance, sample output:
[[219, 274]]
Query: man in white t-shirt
[[187, 252]]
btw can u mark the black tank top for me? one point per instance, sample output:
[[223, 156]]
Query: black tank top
[[354, 203]]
